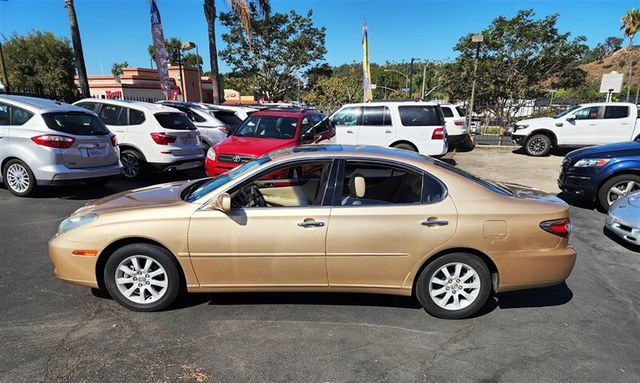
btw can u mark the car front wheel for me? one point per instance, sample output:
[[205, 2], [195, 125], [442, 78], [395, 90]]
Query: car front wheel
[[538, 145], [617, 187], [454, 286], [142, 277]]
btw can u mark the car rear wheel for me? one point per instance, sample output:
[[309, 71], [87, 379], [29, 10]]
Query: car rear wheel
[[538, 145], [142, 277], [617, 187], [405, 147], [132, 163], [454, 286], [18, 178]]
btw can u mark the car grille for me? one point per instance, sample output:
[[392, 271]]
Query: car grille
[[235, 158]]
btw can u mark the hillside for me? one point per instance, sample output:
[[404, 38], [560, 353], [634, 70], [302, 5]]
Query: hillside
[[617, 61]]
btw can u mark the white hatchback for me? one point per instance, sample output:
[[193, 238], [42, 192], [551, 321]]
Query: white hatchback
[[150, 136], [411, 125]]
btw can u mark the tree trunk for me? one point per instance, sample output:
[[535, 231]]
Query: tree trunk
[[77, 48], [210, 14], [630, 66]]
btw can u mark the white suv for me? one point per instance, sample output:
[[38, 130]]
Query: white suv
[[411, 125], [149, 135], [457, 133]]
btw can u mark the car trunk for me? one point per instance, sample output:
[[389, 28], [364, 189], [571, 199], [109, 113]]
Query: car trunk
[[89, 152]]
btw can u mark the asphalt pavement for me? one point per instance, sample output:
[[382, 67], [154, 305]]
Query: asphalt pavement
[[585, 330]]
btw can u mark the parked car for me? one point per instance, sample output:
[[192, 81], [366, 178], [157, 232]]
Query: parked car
[[410, 125], [214, 124], [265, 131], [624, 218], [150, 136], [457, 133], [602, 173], [241, 111], [321, 218], [44, 142], [582, 125]]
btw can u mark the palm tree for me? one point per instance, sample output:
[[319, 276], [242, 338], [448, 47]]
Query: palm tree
[[77, 48], [242, 10], [630, 25]]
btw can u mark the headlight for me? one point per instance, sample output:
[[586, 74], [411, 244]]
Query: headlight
[[591, 162], [211, 154], [75, 222]]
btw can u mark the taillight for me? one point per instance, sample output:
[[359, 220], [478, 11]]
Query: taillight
[[114, 141], [458, 123], [438, 134], [559, 227], [163, 138], [226, 130], [53, 141]]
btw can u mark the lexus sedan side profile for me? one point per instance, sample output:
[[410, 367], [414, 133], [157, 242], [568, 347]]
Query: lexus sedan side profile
[[321, 218]]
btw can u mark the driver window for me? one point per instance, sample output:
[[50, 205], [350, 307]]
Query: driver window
[[590, 113], [348, 116], [302, 184]]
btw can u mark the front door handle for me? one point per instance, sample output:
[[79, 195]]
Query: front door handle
[[311, 224], [387, 131], [435, 222], [350, 131]]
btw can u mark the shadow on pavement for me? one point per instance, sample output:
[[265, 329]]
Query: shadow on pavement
[[543, 297], [555, 152], [612, 236], [577, 202]]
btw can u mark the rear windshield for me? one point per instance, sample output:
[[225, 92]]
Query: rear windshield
[[480, 181], [228, 118], [461, 111], [176, 121], [420, 115], [75, 123], [268, 127]]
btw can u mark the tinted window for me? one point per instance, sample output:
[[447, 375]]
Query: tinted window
[[268, 127], [589, 113], [136, 117], [616, 112], [4, 114], [228, 118], [92, 106], [376, 116], [19, 116], [347, 116], [75, 123], [193, 116], [447, 112], [175, 121], [110, 114], [461, 111], [383, 184], [419, 115]]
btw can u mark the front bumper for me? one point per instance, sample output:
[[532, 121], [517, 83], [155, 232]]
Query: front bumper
[[579, 182], [58, 174], [519, 139], [624, 221], [76, 269]]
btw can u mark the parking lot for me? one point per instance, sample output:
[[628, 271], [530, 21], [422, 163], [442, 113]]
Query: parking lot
[[586, 330]]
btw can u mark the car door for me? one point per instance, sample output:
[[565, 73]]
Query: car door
[[375, 238], [616, 125], [4, 131], [376, 127], [279, 245], [115, 118], [347, 122], [582, 128]]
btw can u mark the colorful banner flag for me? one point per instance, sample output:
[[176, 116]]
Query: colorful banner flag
[[162, 57], [366, 71]]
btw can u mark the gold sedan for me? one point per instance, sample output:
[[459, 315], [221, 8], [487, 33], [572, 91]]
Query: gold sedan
[[321, 218]]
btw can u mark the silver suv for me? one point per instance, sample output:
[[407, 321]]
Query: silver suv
[[44, 142]]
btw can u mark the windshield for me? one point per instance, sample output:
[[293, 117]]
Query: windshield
[[203, 187], [480, 181], [268, 127], [566, 111], [75, 123]]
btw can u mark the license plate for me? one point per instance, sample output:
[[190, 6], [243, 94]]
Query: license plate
[[187, 140], [97, 152]]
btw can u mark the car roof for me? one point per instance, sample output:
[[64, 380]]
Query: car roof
[[398, 103], [139, 105], [361, 151], [40, 105], [286, 112]]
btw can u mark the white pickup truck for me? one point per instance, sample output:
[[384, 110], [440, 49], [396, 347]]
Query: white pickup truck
[[582, 125]]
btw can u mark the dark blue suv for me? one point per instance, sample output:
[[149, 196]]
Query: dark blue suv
[[602, 173]]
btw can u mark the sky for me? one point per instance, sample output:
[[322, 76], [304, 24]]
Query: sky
[[119, 30]]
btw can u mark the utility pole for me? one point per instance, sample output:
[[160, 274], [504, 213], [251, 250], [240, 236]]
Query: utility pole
[[424, 76], [5, 78], [411, 76], [478, 39]]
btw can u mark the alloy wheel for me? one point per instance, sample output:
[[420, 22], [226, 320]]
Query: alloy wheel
[[18, 178], [537, 145], [130, 165], [454, 286], [141, 279], [621, 189]]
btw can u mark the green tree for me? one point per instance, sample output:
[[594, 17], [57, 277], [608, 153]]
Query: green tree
[[520, 59], [77, 47], [330, 93], [284, 46], [173, 46], [116, 69], [630, 24], [40, 62], [241, 8], [602, 50]]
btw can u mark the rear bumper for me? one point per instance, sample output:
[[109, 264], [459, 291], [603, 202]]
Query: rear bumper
[[434, 148], [177, 165], [581, 185], [60, 174], [454, 140]]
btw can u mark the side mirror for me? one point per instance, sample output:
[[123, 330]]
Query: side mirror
[[307, 136], [571, 118], [222, 203]]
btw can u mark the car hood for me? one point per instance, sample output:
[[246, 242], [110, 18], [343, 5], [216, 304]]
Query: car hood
[[526, 192], [618, 149], [152, 196], [251, 145], [535, 121], [634, 199]]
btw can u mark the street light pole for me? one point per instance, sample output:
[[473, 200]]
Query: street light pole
[[181, 74], [411, 76], [478, 39], [424, 76], [397, 71]]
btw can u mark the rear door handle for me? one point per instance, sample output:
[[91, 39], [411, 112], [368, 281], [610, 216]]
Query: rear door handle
[[387, 131], [435, 222], [311, 224]]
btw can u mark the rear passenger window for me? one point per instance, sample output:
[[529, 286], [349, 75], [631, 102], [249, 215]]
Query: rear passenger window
[[110, 115], [419, 115], [376, 116], [196, 117], [92, 106], [616, 112], [4, 114], [447, 112], [379, 184], [19, 116], [136, 117]]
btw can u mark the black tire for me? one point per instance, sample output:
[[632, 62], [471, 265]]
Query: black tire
[[603, 192], [98, 181], [17, 165], [158, 254], [538, 145], [132, 163], [433, 269], [405, 147], [466, 145]]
